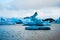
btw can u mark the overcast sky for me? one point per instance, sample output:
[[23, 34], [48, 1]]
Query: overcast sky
[[29, 4], [17, 8]]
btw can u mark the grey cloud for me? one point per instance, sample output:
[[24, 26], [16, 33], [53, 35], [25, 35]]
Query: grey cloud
[[31, 4], [35, 4]]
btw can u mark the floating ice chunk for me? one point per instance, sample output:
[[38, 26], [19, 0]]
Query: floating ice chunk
[[37, 28]]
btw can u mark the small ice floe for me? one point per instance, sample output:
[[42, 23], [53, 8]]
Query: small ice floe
[[57, 21], [37, 28]]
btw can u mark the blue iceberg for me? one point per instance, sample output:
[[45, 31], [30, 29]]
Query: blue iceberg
[[49, 19], [6, 21], [18, 21], [32, 20], [46, 23], [37, 28], [35, 23], [9, 21], [57, 21]]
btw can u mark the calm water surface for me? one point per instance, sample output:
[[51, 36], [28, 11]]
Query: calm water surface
[[18, 32]]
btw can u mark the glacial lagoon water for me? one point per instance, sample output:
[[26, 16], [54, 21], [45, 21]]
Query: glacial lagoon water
[[18, 32]]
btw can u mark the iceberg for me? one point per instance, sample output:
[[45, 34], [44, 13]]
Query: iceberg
[[32, 20], [28, 22], [57, 21], [49, 19], [9, 21], [6, 21], [37, 28], [18, 21], [34, 23], [46, 23]]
